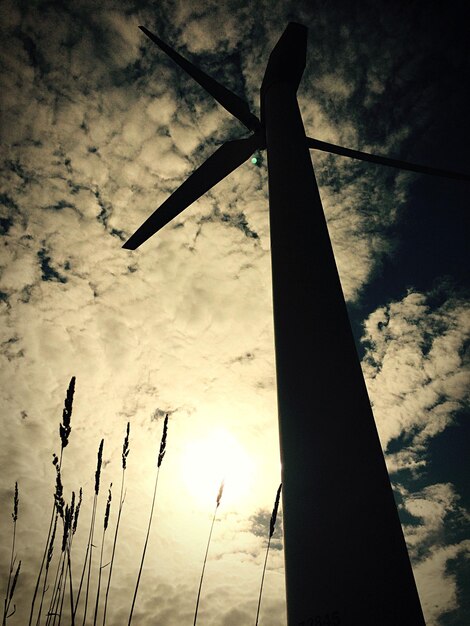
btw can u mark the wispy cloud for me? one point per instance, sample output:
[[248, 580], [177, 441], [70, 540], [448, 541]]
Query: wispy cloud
[[416, 371], [98, 129]]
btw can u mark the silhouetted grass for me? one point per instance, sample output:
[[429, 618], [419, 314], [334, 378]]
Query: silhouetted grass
[[12, 578], [64, 432], [105, 527], [272, 525], [125, 453], [219, 497], [67, 532], [11, 592], [50, 553], [161, 454], [67, 514], [56, 603], [60, 507], [89, 549]]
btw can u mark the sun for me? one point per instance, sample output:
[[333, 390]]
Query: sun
[[214, 457]]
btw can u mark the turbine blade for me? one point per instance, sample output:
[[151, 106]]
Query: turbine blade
[[316, 144], [230, 101], [224, 160]]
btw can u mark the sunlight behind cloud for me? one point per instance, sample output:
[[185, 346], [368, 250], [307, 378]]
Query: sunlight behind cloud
[[214, 457]]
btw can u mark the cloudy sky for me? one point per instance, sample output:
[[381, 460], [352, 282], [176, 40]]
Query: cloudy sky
[[98, 128]]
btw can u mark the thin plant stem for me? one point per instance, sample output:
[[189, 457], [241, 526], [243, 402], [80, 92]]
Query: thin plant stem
[[64, 431], [55, 587], [161, 454], [55, 591], [89, 548], [83, 570], [63, 511], [121, 502], [125, 452], [59, 594], [51, 524], [74, 525], [12, 557], [219, 496], [105, 526], [262, 581], [272, 525], [68, 531], [10, 572], [43, 594], [99, 581], [62, 598], [41, 567], [204, 567], [89, 554], [12, 591], [48, 562], [69, 565], [144, 549]]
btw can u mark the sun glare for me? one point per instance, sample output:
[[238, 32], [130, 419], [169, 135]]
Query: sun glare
[[215, 457]]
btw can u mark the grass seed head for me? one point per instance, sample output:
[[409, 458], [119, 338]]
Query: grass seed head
[[59, 489], [125, 447], [161, 454], [221, 491], [77, 512], [98, 468], [272, 522], [50, 550], [67, 525], [15, 504], [71, 514], [65, 428], [108, 507]]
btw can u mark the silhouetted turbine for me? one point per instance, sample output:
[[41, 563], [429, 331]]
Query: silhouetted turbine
[[345, 555], [234, 153]]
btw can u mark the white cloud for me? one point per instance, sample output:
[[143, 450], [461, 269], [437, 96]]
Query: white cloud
[[435, 507], [415, 370], [431, 506], [436, 585]]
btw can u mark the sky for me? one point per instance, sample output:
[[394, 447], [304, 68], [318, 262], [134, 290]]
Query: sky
[[98, 128]]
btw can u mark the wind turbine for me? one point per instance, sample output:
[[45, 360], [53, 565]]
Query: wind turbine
[[346, 561]]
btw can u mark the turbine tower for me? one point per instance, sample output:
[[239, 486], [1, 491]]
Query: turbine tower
[[346, 561]]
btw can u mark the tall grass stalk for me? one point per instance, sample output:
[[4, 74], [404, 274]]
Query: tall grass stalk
[[125, 453], [64, 432], [50, 553], [89, 548], [105, 527], [55, 592], [161, 454], [73, 530], [60, 507], [64, 571], [58, 594], [219, 497], [272, 525], [12, 591], [54, 612], [68, 522], [8, 596]]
